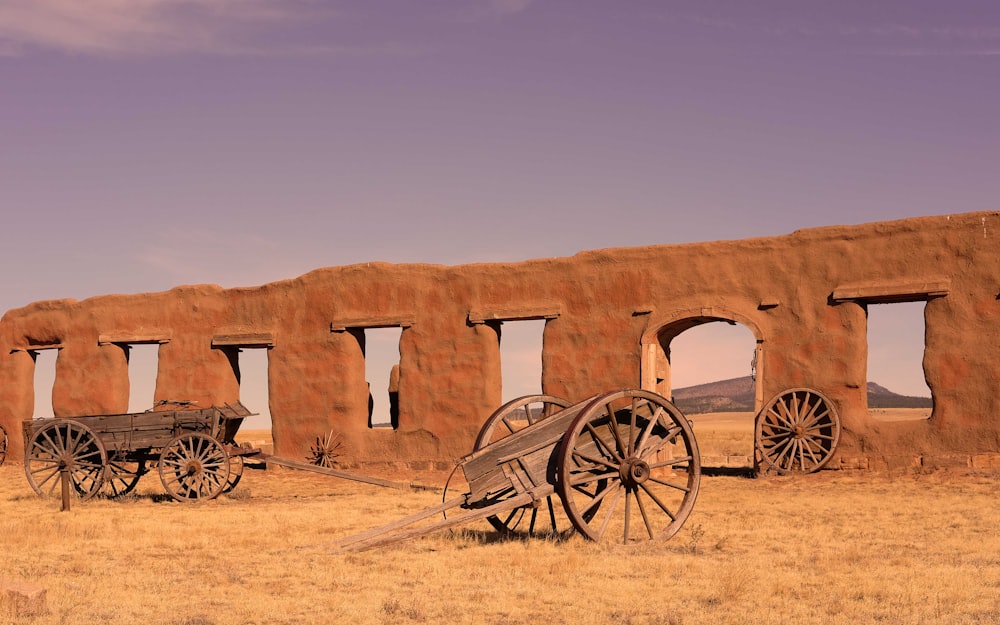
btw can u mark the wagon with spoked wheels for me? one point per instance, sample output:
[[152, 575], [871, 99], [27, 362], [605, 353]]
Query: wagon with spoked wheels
[[192, 449], [623, 464]]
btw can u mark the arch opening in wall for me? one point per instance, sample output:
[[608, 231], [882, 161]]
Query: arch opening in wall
[[708, 366]]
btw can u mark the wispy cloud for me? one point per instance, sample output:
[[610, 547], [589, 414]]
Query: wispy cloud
[[116, 28]]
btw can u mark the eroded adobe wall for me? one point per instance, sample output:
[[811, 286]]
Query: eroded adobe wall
[[803, 295]]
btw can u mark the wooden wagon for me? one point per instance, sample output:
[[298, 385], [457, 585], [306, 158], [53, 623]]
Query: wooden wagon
[[193, 449], [623, 463]]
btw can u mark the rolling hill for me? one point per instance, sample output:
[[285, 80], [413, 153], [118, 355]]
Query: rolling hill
[[737, 395]]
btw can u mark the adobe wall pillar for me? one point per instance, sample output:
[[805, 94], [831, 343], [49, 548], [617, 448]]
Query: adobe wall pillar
[[90, 380], [190, 369], [17, 397], [316, 386]]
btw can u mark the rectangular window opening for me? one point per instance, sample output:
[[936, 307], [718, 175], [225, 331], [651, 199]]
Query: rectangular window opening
[[252, 375], [521, 358], [44, 381], [143, 363], [381, 351], [897, 388]]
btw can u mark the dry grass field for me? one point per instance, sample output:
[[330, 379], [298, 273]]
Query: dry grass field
[[835, 547]]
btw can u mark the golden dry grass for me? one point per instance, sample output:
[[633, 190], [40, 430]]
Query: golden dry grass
[[834, 547]]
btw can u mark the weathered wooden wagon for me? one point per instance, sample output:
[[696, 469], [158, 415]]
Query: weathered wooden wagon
[[623, 463], [193, 449]]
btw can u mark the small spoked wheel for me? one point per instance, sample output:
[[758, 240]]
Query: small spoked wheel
[[513, 416], [123, 475], [3, 444], [235, 473], [65, 445], [193, 467], [629, 467], [797, 431]]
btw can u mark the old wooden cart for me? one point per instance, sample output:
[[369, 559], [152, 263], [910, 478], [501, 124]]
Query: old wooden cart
[[193, 449], [623, 463]]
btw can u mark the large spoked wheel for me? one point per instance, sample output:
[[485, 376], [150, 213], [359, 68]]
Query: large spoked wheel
[[123, 475], [3, 444], [797, 431], [513, 416], [194, 466], [629, 467], [65, 445]]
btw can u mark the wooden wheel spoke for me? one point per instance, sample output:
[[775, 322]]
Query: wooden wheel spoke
[[594, 461], [777, 437], [628, 514], [663, 482], [600, 443], [51, 474], [631, 427], [645, 517], [669, 439], [816, 420], [597, 498], [647, 430], [507, 424], [613, 426], [587, 478], [660, 504], [619, 489]]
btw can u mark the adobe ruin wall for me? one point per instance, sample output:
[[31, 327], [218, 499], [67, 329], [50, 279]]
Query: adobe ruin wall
[[609, 314]]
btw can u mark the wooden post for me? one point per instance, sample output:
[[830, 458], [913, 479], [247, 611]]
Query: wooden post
[[64, 478]]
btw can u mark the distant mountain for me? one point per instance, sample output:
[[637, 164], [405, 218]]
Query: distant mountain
[[737, 395]]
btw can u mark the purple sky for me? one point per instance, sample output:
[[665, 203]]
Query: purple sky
[[153, 143]]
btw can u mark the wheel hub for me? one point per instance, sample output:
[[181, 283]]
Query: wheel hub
[[634, 471], [799, 432], [193, 468]]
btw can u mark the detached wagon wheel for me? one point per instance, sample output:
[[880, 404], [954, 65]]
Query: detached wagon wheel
[[122, 476], [511, 417], [629, 465], [194, 466], [70, 446], [797, 431], [3, 444]]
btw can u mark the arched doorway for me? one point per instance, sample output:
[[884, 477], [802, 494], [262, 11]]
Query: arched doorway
[[725, 401]]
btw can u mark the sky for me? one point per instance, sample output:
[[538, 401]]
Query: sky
[[146, 144]]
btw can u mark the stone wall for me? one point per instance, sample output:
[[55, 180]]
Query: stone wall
[[609, 315]]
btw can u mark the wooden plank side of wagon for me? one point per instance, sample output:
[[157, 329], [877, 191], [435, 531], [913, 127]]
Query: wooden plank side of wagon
[[484, 469]]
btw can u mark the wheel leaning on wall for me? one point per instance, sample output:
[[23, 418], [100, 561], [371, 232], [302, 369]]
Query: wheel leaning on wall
[[797, 431]]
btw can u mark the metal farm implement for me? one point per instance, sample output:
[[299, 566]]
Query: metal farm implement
[[623, 464], [193, 450]]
